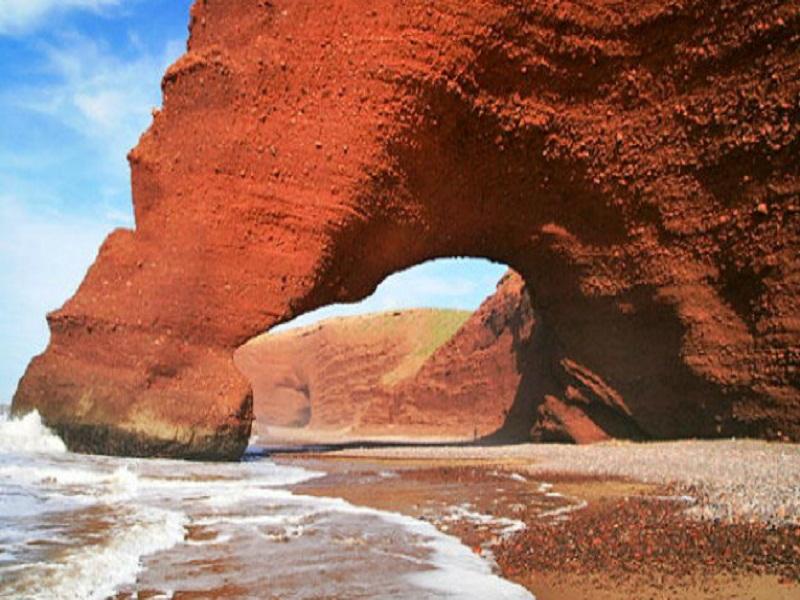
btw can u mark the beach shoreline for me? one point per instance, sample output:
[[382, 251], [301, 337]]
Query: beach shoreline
[[604, 531]]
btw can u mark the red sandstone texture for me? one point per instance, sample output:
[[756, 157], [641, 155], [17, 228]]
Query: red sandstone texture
[[470, 387], [635, 161], [412, 373], [326, 376]]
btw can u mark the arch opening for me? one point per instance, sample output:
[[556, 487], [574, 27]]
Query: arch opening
[[433, 355]]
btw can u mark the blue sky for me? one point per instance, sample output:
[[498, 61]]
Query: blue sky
[[445, 283], [78, 81]]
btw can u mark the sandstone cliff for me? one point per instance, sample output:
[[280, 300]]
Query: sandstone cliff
[[326, 376], [470, 386], [635, 161], [429, 373], [409, 374]]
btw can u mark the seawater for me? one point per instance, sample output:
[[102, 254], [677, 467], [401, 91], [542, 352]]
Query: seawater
[[86, 527]]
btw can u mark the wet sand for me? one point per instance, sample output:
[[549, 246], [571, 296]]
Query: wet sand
[[585, 536]]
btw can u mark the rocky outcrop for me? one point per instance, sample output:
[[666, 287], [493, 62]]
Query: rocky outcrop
[[326, 376], [636, 162], [412, 374], [472, 385]]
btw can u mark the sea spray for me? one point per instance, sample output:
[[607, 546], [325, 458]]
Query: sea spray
[[27, 434], [96, 572]]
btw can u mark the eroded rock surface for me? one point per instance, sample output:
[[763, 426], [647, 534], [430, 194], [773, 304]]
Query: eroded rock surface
[[325, 377], [407, 374], [473, 385], [635, 161]]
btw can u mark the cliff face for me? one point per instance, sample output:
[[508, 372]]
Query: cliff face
[[429, 373], [636, 162], [416, 373], [469, 387], [326, 376]]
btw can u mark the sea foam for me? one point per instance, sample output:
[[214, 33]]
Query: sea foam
[[457, 571], [154, 503], [97, 571], [28, 434]]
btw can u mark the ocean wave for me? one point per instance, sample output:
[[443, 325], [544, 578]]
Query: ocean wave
[[255, 520], [115, 483], [457, 571], [139, 509], [97, 571], [28, 434], [506, 527]]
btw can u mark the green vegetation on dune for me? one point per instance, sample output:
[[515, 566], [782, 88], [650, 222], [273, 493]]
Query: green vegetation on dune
[[433, 328], [416, 333]]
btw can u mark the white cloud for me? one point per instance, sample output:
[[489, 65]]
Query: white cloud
[[21, 16], [100, 96], [102, 102], [96, 99], [101, 108], [43, 258]]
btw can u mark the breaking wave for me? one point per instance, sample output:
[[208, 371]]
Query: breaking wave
[[87, 527], [97, 571], [28, 434]]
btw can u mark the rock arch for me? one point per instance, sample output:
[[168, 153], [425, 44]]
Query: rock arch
[[636, 162]]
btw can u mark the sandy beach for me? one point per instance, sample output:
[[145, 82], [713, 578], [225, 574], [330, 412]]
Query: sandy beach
[[690, 520]]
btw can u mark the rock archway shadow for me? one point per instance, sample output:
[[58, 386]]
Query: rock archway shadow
[[636, 164]]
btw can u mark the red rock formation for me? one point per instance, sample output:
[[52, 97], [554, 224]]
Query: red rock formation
[[470, 386], [324, 377], [417, 373], [636, 161]]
